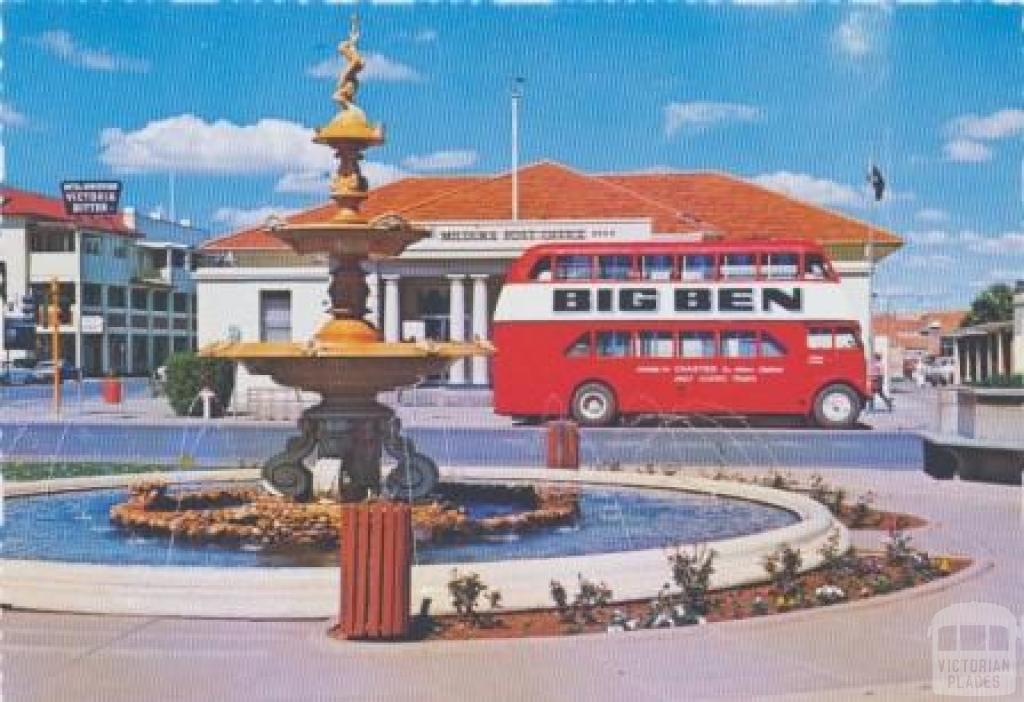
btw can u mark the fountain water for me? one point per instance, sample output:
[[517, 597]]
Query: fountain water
[[346, 362]]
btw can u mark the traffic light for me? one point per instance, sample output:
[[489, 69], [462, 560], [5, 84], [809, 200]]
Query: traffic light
[[29, 305], [3, 282]]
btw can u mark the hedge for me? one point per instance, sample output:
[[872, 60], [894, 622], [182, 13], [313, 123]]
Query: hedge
[[187, 373]]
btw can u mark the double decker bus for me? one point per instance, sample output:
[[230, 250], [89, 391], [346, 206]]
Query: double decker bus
[[600, 331]]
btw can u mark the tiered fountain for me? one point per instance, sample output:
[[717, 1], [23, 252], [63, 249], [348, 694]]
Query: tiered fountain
[[346, 362]]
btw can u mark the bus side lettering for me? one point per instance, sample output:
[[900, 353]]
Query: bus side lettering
[[791, 302], [638, 300], [693, 300], [572, 300], [604, 300], [736, 300]]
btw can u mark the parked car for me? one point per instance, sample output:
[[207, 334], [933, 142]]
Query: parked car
[[14, 374], [44, 370], [940, 371]]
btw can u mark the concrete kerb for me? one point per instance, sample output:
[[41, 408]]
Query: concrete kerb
[[312, 593]]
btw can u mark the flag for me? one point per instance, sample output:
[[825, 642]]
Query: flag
[[877, 182]]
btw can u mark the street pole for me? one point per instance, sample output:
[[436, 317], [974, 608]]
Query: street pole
[[517, 93], [55, 341]]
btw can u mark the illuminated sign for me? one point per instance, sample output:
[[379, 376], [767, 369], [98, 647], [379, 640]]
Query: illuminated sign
[[91, 197]]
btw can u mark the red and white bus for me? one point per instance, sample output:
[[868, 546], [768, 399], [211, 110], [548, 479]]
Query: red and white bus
[[603, 330]]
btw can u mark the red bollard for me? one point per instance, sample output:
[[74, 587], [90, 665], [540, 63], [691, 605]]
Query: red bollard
[[563, 444], [111, 389], [376, 570]]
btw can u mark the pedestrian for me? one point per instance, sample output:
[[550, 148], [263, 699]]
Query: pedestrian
[[878, 382]]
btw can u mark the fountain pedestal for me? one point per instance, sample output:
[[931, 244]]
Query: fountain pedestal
[[349, 437]]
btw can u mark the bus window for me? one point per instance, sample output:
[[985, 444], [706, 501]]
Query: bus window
[[574, 268], [814, 266], [697, 344], [847, 338], [613, 344], [819, 338], [541, 269], [781, 266], [579, 348], [739, 265], [739, 344], [656, 267], [697, 267], [771, 347], [654, 344], [614, 267]]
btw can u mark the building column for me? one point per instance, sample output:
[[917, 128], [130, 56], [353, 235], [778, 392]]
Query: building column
[[1017, 342], [997, 352], [392, 309], [958, 363], [457, 325], [480, 328], [373, 300]]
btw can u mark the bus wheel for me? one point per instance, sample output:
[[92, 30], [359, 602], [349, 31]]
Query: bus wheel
[[593, 405], [836, 407]]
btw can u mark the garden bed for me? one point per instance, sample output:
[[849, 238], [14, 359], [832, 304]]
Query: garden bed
[[865, 575]]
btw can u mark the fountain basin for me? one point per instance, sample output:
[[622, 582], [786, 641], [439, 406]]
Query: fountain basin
[[312, 592]]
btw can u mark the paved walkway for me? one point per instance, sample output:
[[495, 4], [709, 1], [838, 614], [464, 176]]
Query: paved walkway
[[880, 649]]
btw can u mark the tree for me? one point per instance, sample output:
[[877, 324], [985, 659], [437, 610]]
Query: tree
[[994, 304]]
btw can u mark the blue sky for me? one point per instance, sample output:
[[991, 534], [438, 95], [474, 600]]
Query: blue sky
[[796, 97]]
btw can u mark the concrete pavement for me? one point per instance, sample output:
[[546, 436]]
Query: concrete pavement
[[879, 650]]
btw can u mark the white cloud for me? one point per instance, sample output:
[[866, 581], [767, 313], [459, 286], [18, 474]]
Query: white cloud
[[378, 67], [10, 117], [966, 151], [190, 144], [927, 260], [425, 36], [863, 32], [441, 160], [932, 215], [306, 182], [931, 237], [61, 44], [379, 174], [998, 125], [1007, 243], [697, 116], [967, 133], [819, 191], [235, 218]]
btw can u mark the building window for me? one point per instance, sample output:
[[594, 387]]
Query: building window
[[178, 258], [160, 300], [115, 296], [51, 241], [92, 244], [120, 249], [140, 299], [180, 302], [92, 295], [275, 315]]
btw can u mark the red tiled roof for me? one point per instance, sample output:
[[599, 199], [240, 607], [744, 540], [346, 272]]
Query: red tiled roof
[[675, 203], [15, 202], [905, 328]]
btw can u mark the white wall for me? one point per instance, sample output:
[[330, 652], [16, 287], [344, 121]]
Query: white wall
[[229, 299], [14, 250], [855, 283]]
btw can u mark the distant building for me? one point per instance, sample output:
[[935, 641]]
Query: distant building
[[275, 294], [996, 348], [127, 296], [914, 336]]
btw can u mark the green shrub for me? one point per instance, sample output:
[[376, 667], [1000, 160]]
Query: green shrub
[[187, 373], [1002, 381]]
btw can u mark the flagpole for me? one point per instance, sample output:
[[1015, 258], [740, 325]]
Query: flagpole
[[516, 95]]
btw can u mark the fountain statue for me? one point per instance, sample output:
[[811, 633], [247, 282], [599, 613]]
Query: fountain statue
[[346, 361]]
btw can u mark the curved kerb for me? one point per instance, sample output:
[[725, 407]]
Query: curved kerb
[[313, 592]]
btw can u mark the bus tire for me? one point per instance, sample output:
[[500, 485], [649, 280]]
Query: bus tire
[[593, 405], [837, 406]]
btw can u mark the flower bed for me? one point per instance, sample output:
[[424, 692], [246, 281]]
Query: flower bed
[[252, 516]]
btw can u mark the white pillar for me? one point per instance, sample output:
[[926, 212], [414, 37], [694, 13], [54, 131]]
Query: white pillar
[[392, 309], [1017, 360], [480, 319], [457, 325]]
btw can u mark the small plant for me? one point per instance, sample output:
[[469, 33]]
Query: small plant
[[861, 509], [832, 497], [692, 571], [831, 553], [881, 584], [897, 547], [188, 373], [466, 591], [783, 567], [759, 606], [589, 599]]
